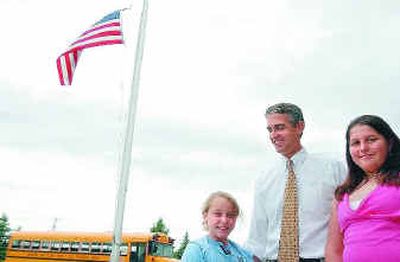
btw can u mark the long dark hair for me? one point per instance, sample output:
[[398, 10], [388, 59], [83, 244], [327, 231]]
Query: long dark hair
[[389, 171]]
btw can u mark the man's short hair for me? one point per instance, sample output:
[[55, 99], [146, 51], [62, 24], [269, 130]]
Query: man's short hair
[[293, 111]]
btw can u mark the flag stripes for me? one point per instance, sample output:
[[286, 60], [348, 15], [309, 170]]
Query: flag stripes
[[107, 31]]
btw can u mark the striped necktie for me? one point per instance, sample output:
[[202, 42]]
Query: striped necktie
[[289, 238]]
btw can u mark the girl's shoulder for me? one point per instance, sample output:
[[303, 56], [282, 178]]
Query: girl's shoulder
[[202, 242], [195, 250]]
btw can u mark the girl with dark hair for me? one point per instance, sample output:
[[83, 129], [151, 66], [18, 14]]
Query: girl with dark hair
[[365, 221]]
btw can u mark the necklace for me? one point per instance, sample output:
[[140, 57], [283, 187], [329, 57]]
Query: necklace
[[225, 249], [368, 184], [364, 188], [372, 175]]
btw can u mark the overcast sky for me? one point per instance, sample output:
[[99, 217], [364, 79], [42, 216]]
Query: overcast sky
[[210, 68]]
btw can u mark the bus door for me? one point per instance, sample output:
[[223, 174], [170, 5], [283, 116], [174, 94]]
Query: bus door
[[138, 252]]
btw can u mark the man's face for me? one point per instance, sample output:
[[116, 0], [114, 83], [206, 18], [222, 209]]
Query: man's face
[[284, 136]]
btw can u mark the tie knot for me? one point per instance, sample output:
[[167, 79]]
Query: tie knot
[[289, 164]]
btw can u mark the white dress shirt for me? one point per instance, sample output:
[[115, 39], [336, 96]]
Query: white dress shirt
[[317, 179]]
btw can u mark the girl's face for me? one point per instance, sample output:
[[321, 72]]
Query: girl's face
[[368, 148], [220, 219]]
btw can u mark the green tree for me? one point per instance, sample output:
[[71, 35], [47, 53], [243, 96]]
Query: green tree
[[4, 234], [159, 227], [185, 241]]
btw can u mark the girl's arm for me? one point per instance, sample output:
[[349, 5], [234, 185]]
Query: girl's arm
[[334, 244]]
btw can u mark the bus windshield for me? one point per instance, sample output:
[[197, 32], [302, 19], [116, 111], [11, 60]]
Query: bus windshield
[[161, 249]]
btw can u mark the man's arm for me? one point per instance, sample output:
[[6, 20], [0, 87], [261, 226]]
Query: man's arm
[[257, 238]]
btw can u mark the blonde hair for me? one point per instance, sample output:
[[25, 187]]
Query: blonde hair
[[210, 199]]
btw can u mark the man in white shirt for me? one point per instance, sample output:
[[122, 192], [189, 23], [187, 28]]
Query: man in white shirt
[[317, 178]]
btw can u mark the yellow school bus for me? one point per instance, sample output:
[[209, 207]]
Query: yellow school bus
[[83, 246]]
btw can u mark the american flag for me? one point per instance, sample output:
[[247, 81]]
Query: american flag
[[107, 31]]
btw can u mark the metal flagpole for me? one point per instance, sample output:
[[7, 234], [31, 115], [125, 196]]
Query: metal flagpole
[[127, 150]]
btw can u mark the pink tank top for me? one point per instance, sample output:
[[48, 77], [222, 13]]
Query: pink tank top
[[372, 231]]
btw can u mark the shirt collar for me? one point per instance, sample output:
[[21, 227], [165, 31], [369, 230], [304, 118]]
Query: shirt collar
[[220, 246], [297, 159], [215, 242]]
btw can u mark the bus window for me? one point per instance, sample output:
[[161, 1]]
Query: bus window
[[141, 252], [138, 252], [26, 244], [65, 246], [95, 247], [55, 246], [106, 248], [123, 250], [160, 249], [74, 246], [85, 247], [16, 244], [45, 246], [35, 244]]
